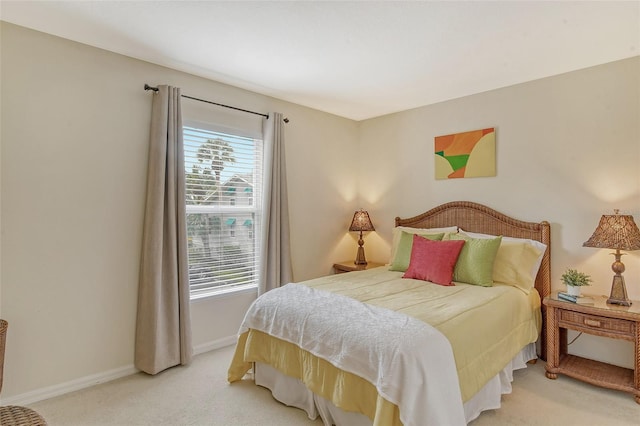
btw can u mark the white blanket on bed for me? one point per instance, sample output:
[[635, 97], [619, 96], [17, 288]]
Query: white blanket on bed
[[410, 362]]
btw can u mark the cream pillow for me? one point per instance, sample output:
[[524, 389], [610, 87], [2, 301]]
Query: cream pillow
[[397, 233], [517, 261]]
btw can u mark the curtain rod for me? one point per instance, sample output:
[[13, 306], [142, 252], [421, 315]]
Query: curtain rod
[[155, 89]]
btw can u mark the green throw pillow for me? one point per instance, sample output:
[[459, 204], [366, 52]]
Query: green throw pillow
[[475, 263], [403, 251]]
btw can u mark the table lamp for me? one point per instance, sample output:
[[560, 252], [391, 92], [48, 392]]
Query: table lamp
[[361, 222], [617, 232]]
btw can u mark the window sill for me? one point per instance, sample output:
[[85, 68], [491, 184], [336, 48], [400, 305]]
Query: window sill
[[224, 293]]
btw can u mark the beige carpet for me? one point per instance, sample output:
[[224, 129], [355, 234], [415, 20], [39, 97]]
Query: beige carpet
[[200, 395]]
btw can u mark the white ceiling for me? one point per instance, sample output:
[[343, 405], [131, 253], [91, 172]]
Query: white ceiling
[[356, 59]]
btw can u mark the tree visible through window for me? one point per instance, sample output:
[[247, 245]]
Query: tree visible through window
[[223, 179]]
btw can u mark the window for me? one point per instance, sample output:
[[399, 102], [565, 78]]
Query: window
[[223, 183]]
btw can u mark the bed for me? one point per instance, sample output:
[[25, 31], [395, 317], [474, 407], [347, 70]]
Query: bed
[[399, 344]]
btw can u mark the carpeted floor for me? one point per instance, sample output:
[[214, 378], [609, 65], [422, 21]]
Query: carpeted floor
[[199, 395]]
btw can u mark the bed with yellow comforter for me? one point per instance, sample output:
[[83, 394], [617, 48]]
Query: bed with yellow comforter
[[486, 328], [420, 380]]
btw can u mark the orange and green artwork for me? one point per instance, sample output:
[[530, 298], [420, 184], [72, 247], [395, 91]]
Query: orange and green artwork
[[468, 154]]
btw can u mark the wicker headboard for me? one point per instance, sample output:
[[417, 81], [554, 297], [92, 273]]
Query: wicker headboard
[[475, 217]]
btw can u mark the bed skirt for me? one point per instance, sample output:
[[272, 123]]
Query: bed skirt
[[292, 392]]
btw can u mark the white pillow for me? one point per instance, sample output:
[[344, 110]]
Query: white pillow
[[397, 233], [517, 261]]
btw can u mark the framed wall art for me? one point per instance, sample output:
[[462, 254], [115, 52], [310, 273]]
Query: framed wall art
[[465, 155]]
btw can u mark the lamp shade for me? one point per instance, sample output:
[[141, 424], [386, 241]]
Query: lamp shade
[[361, 222], [615, 231]]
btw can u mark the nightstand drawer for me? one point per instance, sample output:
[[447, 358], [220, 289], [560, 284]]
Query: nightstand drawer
[[598, 323]]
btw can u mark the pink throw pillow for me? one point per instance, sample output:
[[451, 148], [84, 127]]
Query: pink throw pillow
[[433, 260]]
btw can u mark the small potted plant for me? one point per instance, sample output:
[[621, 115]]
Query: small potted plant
[[575, 280]]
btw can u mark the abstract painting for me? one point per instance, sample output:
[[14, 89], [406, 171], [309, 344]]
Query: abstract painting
[[467, 154]]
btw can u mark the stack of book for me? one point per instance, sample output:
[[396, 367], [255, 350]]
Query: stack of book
[[582, 300]]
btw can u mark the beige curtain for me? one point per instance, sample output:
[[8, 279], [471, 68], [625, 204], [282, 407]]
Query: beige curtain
[[163, 329], [276, 253]]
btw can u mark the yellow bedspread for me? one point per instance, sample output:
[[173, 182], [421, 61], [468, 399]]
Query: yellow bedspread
[[486, 327]]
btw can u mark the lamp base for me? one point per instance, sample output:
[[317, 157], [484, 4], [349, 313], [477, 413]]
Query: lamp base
[[360, 260], [618, 294]]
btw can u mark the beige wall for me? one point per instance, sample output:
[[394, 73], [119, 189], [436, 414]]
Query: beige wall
[[75, 123], [568, 151], [73, 159]]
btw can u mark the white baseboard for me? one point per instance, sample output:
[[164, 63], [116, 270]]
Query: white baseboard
[[95, 379], [71, 386], [215, 344]]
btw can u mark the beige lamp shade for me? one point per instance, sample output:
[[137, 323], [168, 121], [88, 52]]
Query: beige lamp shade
[[616, 232], [361, 222]]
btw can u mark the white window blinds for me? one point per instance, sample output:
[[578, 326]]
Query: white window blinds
[[223, 197]]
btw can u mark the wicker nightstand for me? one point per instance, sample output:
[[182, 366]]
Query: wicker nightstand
[[599, 319], [349, 266]]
